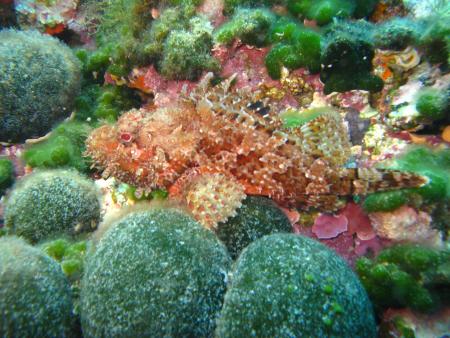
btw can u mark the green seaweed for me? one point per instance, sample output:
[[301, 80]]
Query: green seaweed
[[407, 275]]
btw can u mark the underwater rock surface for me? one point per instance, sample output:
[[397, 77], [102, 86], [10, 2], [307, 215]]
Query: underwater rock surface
[[146, 145]]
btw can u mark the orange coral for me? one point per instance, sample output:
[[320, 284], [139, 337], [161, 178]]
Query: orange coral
[[218, 132]]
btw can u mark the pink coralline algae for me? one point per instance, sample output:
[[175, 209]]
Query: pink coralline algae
[[358, 222], [328, 226], [350, 219]]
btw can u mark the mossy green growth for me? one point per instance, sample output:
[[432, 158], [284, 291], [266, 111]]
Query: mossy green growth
[[39, 78], [105, 102], [64, 148], [433, 104], [386, 201], [187, 52], [35, 295], [180, 43], [407, 275], [285, 285], [170, 19], [6, 174], [49, 203], [154, 273], [347, 64], [397, 34], [295, 46], [118, 35], [251, 26], [324, 11], [435, 38], [71, 256], [433, 164], [231, 5], [257, 217]]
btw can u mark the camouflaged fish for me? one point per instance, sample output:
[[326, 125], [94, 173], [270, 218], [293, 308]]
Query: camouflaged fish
[[216, 145]]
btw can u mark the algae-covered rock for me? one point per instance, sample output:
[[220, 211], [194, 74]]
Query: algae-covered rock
[[52, 202], [35, 297], [154, 273], [258, 216], [39, 79], [285, 285]]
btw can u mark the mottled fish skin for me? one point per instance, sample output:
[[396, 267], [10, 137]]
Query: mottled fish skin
[[239, 133]]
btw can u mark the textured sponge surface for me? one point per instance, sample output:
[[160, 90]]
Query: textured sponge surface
[[35, 296], [39, 79], [154, 273], [286, 285]]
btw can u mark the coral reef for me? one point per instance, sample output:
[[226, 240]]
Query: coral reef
[[154, 272], [289, 285], [216, 130], [213, 131], [52, 202], [63, 148], [6, 174], [35, 295], [258, 216], [407, 275], [29, 108]]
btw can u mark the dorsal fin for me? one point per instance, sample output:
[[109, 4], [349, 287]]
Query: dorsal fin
[[320, 132]]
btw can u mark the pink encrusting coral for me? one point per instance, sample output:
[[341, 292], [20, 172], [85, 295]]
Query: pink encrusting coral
[[329, 226], [236, 133]]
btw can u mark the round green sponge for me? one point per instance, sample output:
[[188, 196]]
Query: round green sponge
[[155, 273], [285, 285], [35, 297], [39, 80], [52, 202], [258, 216]]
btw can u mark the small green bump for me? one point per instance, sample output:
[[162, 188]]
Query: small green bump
[[327, 321], [56, 249], [309, 277], [328, 289], [337, 308], [71, 266]]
